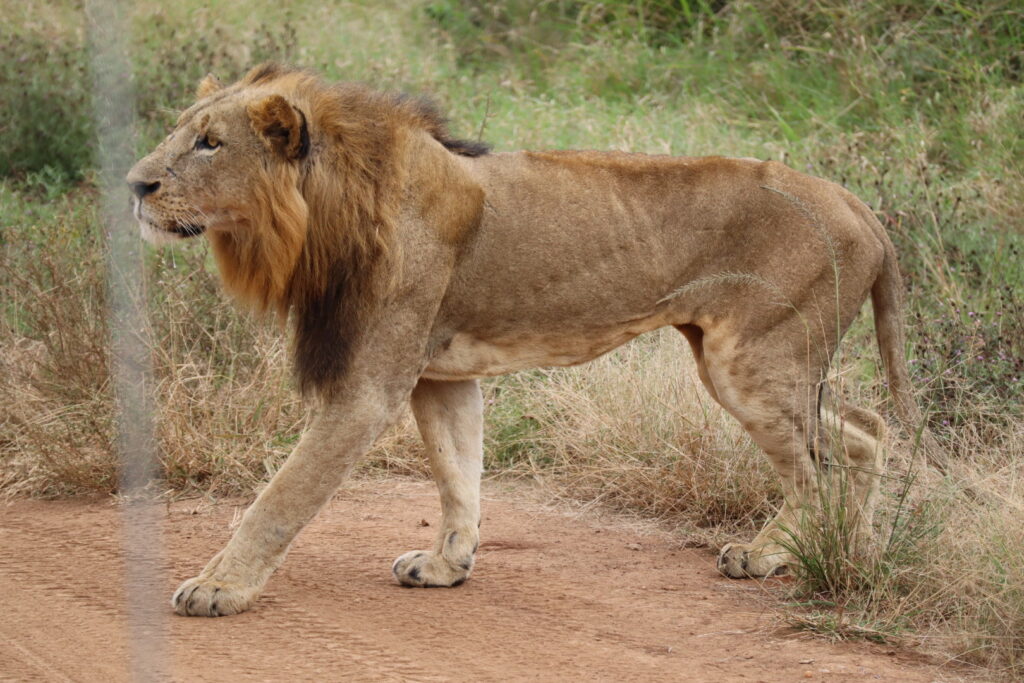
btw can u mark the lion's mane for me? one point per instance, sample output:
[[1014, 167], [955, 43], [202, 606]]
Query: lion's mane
[[321, 239]]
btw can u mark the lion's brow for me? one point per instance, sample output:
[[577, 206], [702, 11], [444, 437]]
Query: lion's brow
[[201, 106]]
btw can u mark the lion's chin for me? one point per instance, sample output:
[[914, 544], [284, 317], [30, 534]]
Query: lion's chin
[[160, 236]]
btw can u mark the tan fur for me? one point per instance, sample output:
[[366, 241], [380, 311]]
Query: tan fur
[[256, 265], [412, 265], [209, 85]]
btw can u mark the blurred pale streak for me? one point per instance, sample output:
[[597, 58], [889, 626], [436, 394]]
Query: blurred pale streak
[[145, 585]]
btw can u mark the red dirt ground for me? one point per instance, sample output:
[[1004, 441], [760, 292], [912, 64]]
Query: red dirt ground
[[553, 597]]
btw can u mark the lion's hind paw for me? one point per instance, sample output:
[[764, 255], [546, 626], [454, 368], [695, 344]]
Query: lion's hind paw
[[425, 569], [741, 561]]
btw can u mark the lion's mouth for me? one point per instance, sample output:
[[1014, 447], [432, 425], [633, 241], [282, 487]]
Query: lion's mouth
[[154, 231], [188, 229]]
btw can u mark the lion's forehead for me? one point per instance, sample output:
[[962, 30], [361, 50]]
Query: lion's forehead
[[207, 105], [221, 107]]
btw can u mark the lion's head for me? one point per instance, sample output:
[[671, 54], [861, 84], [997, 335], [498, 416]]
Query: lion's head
[[231, 169], [297, 184], [203, 176]]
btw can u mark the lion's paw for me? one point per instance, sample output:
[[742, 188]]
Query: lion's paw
[[741, 561], [204, 597], [425, 569]]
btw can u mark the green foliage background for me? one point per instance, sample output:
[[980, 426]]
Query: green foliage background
[[915, 105]]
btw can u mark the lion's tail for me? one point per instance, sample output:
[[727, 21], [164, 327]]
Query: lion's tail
[[887, 300]]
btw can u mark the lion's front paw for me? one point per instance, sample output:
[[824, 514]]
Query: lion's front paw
[[204, 597], [741, 561], [426, 569]]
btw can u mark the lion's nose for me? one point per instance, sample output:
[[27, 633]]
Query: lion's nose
[[142, 189]]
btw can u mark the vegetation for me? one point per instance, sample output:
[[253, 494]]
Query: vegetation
[[915, 105]]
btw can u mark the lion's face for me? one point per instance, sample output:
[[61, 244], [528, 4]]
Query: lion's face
[[202, 177]]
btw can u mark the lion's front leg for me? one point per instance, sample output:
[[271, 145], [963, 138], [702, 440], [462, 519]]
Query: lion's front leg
[[338, 437], [450, 418]]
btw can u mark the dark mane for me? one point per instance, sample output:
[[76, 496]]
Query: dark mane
[[421, 109], [429, 114]]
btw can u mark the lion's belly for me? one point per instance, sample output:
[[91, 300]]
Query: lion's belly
[[470, 357]]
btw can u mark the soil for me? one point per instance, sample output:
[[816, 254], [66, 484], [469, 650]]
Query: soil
[[555, 596]]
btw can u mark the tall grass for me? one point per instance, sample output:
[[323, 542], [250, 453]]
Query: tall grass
[[634, 431], [916, 106]]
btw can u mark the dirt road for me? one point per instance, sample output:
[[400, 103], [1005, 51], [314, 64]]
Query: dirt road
[[553, 598]]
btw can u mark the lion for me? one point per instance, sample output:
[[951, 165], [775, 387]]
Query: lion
[[412, 264]]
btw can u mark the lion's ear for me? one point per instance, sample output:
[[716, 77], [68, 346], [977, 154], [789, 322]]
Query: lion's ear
[[281, 126], [209, 85]]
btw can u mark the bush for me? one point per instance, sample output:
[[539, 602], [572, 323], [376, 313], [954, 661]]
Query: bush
[[45, 106], [46, 113]]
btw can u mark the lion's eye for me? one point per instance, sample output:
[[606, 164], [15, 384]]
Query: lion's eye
[[207, 141]]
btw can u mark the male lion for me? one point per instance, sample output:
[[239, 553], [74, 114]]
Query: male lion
[[413, 264]]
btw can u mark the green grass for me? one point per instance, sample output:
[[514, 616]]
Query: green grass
[[915, 106]]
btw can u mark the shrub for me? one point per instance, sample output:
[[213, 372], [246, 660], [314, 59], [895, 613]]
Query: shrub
[[45, 105]]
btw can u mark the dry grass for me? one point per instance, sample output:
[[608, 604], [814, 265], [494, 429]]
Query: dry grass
[[945, 571], [633, 430], [227, 414]]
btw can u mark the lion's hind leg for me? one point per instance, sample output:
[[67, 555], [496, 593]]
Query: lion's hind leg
[[771, 391], [450, 419], [850, 449]]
